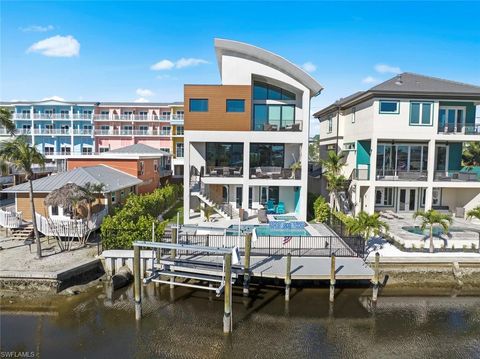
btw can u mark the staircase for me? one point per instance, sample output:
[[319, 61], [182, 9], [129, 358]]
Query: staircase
[[344, 202], [226, 211], [23, 233]]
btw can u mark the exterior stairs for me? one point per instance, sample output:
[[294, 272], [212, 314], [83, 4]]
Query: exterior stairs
[[226, 211], [23, 233]]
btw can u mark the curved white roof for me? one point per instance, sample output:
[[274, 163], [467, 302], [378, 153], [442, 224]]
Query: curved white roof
[[254, 53]]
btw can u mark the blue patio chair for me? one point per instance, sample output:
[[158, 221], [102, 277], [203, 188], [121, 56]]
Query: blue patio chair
[[281, 208], [270, 206]]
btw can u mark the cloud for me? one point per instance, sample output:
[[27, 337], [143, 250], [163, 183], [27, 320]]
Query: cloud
[[162, 65], [387, 69], [166, 64], [144, 92], [165, 76], [309, 67], [183, 62], [37, 28], [54, 98], [369, 80], [57, 46], [141, 100]]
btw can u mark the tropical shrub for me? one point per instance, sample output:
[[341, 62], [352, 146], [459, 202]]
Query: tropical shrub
[[134, 221], [321, 210]]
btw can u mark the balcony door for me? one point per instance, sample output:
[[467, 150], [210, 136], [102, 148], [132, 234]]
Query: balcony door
[[451, 119], [407, 199]]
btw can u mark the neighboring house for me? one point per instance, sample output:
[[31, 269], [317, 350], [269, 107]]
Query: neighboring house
[[403, 141], [148, 164], [60, 129], [243, 136], [118, 185]]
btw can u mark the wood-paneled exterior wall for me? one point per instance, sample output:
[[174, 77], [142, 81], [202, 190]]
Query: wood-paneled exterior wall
[[217, 118]]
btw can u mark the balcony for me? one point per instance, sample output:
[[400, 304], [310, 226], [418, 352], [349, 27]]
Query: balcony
[[271, 172], [459, 129], [52, 116], [164, 172], [51, 131], [400, 175], [131, 118], [274, 127], [361, 174], [217, 171], [456, 176], [83, 131]]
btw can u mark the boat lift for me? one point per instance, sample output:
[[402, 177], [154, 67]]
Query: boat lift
[[218, 275]]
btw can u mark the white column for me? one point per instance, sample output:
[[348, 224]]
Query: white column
[[431, 161], [428, 198], [373, 159], [186, 181], [358, 202], [72, 143], [246, 174], [370, 200], [32, 115]]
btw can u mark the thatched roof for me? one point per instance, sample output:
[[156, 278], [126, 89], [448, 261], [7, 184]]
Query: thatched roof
[[63, 196]]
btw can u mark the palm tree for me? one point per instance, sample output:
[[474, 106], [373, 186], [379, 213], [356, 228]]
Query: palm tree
[[367, 225], [471, 154], [475, 213], [432, 218], [333, 165], [19, 154], [91, 193], [6, 121]]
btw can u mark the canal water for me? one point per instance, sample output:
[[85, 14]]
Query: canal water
[[186, 323]]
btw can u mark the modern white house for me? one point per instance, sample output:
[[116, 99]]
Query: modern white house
[[243, 137], [403, 141]]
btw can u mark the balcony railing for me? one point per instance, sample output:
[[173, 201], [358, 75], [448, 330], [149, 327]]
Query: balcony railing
[[399, 175], [52, 131], [361, 174], [111, 117], [460, 129], [456, 176], [223, 171], [111, 132], [51, 116], [293, 127], [271, 172]]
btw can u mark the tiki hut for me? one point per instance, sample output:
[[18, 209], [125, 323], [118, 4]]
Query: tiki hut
[[71, 197]]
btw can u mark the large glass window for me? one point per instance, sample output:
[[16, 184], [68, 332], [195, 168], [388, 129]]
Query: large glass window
[[269, 193], [390, 107], [266, 155], [420, 113], [198, 105], [384, 196], [273, 117], [263, 91], [441, 164], [392, 158], [235, 105], [224, 154]]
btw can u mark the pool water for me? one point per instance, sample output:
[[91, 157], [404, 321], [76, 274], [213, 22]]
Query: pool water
[[437, 231], [265, 230], [285, 218]]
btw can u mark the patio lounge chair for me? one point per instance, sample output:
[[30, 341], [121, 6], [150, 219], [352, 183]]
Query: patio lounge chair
[[281, 208], [237, 172], [294, 127]]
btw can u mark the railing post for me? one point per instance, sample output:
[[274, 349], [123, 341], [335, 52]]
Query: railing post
[[227, 312], [246, 266], [173, 253], [299, 246], [269, 245], [288, 277], [137, 286], [376, 277], [332, 278]]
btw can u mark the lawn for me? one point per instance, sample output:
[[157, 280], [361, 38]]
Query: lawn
[[171, 215]]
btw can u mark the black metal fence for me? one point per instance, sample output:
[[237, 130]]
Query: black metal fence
[[313, 246]]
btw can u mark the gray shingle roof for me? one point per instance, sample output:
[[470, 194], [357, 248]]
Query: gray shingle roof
[[405, 84], [139, 149], [113, 180], [410, 82]]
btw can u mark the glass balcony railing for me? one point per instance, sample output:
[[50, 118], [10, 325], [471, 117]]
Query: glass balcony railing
[[456, 176], [459, 129], [401, 175]]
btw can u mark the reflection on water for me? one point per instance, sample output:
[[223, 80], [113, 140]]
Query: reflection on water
[[188, 323]]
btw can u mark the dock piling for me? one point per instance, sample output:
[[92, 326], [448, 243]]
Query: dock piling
[[173, 252], [376, 277], [246, 267], [137, 285], [332, 278], [112, 266], [227, 315], [288, 277]]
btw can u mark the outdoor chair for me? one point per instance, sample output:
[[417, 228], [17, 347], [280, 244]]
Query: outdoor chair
[[262, 216], [213, 172], [270, 206], [226, 171], [281, 208], [294, 127], [237, 172]]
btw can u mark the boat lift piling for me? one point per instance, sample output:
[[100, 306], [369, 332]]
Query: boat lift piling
[[185, 268], [376, 277], [288, 277], [332, 278], [246, 266]]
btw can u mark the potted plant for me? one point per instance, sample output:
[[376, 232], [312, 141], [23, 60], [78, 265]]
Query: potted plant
[[296, 167]]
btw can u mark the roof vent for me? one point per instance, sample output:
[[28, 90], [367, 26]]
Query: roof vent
[[399, 81]]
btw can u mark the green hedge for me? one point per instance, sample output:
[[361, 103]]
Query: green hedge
[[321, 209], [133, 222]]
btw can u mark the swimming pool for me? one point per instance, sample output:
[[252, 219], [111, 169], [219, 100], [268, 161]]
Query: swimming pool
[[285, 218], [437, 231], [266, 230]]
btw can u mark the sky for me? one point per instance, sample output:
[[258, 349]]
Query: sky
[[147, 51]]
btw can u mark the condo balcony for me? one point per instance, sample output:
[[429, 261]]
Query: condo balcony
[[401, 175], [223, 171], [459, 129], [277, 173], [465, 175], [128, 132], [132, 118]]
